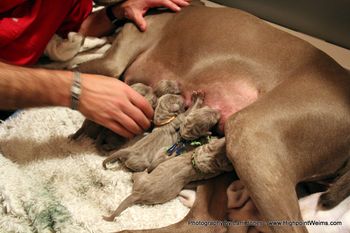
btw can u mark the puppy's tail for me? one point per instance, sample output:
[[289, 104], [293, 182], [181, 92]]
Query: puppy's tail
[[129, 201]]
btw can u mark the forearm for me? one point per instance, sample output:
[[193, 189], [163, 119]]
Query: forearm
[[29, 87]]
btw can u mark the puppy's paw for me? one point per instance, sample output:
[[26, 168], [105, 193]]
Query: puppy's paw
[[121, 155], [197, 95]]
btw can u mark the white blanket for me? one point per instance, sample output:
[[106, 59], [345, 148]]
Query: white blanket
[[60, 185]]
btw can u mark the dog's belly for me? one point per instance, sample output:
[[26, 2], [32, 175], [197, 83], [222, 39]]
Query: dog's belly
[[226, 93], [232, 64], [229, 98]]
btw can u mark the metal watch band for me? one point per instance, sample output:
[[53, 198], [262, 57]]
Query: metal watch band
[[75, 91]]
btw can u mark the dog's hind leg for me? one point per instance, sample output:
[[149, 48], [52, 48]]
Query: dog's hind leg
[[289, 135], [210, 205], [121, 54]]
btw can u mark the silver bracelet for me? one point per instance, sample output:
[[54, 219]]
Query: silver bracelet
[[75, 91]]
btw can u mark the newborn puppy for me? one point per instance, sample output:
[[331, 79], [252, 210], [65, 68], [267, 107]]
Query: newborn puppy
[[105, 139], [168, 107], [89, 128], [167, 180], [139, 156], [147, 92], [167, 87], [207, 163], [197, 123]]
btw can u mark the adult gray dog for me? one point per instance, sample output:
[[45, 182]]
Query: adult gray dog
[[284, 104]]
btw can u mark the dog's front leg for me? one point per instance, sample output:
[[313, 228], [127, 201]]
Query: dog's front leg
[[256, 149], [260, 169], [299, 131]]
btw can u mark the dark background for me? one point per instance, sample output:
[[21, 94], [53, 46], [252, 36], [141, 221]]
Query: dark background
[[326, 19]]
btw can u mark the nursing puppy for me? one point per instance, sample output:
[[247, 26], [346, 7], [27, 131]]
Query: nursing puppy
[[167, 87], [151, 150], [283, 103], [106, 140], [139, 156], [197, 124], [167, 180]]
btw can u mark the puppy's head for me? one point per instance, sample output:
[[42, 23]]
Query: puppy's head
[[198, 123], [167, 87], [168, 107], [147, 92]]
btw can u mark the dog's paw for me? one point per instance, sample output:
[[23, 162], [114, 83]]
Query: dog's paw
[[187, 197], [328, 200]]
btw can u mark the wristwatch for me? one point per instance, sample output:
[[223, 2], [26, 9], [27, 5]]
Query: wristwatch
[[75, 91], [114, 20]]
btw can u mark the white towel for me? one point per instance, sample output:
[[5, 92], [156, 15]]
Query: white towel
[[76, 49]]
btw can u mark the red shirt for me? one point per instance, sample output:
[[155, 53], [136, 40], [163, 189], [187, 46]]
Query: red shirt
[[26, 26]]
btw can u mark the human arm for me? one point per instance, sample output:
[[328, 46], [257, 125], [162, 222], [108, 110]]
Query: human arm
[[104, 100], [98, 24]]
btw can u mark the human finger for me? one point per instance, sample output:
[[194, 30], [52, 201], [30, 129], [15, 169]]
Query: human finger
[[140, 21], [166, 3], [141, 103], [136, 16], [181, 3], [138, 117], [127, 121], [117, 128]]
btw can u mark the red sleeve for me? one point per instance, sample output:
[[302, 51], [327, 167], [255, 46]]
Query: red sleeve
[[26, 29], [6, 5], [76, 16]]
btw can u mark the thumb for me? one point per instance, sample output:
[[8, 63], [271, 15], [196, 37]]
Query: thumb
[[140, 21]]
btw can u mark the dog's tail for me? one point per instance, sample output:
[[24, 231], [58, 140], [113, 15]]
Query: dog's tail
[[129, 201]]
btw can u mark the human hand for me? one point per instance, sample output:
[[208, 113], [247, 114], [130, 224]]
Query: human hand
[[134, 10], [115, 105]]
